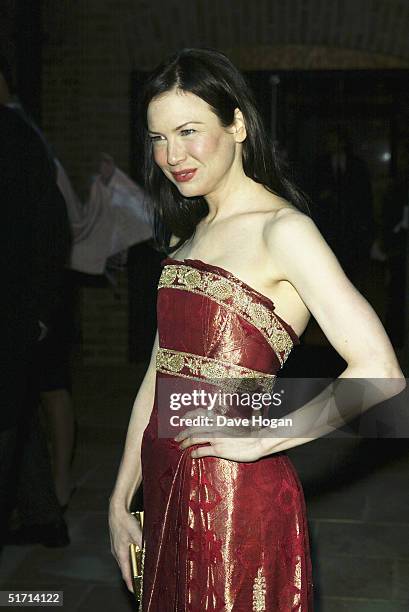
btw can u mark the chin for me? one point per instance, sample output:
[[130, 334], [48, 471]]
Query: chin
[[189, 191]]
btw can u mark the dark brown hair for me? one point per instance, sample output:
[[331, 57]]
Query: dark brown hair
[[210, 75]]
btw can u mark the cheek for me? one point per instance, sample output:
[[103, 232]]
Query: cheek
[[205, 146], [159, 155]]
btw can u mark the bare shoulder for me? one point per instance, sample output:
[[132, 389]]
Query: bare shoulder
[[287, 214], [306, 261], [300, 254], [290, 227]]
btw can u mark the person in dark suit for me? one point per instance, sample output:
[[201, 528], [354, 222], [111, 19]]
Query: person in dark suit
[[35, 244]]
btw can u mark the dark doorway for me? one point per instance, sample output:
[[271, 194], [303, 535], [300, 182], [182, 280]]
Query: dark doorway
[[370, 108]]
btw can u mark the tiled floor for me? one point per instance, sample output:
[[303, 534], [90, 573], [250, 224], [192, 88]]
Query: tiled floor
[[357, 499]]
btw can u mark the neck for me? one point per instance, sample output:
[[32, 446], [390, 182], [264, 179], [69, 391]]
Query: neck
[[233, 194], [229, 201]]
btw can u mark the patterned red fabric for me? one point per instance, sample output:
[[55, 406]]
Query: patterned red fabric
[[219, 535]]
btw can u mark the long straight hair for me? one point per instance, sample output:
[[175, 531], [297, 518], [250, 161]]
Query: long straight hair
[[210, 75]]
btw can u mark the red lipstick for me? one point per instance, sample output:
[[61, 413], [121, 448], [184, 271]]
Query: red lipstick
[[184, 175]]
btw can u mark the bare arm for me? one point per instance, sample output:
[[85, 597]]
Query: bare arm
[[348, 321], [130, 471], [344, 315], [373, 375], [123, 527]]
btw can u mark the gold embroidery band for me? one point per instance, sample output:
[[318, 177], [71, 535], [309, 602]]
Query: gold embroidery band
[[189, 365], [259, 592], [234, 297]]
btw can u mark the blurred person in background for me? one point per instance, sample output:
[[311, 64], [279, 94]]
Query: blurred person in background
[[113, 218], [35, 245]]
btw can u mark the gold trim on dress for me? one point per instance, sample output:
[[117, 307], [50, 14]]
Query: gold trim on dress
[[297, 575], [234, 297], [175, 362], [229, 376], [259, 592]]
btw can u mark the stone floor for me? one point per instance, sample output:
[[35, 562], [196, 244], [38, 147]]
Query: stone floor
[[357, 498]]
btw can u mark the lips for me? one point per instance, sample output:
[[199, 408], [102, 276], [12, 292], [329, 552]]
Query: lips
[[184, 175]]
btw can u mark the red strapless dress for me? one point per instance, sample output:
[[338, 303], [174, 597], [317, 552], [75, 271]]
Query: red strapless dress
[[219, 535]]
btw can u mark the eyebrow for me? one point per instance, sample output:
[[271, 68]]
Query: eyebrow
[[179, 126]]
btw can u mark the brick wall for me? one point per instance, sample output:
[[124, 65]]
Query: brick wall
[[86, 111], [104, 323], [90, 48]]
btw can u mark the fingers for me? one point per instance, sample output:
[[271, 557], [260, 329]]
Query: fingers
[[203, 451], [128, 581], [124, 529], [206, 434], [136, 536], [193, 440], [125, 567], [194, 434], [126, 575]]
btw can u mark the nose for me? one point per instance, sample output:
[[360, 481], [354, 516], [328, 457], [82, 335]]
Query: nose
[[176, 153]]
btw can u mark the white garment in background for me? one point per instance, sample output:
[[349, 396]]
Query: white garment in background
[[115, 217]]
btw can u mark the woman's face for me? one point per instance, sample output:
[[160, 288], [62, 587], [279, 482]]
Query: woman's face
[[187, 136]]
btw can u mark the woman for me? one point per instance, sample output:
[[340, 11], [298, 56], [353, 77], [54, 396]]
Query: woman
[[225, 524]]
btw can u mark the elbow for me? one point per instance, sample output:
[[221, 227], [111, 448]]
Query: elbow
[[376, 370], [396, 379], [390, 379], [396, 373], [402, 382], [389, 369]]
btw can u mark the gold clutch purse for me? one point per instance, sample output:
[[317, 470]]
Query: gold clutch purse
[[137, 556]]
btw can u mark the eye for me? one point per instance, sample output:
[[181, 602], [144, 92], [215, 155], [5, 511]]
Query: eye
[[184, 132], [154, 138]]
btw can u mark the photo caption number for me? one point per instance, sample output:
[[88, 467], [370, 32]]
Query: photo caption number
[[31, 598]]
